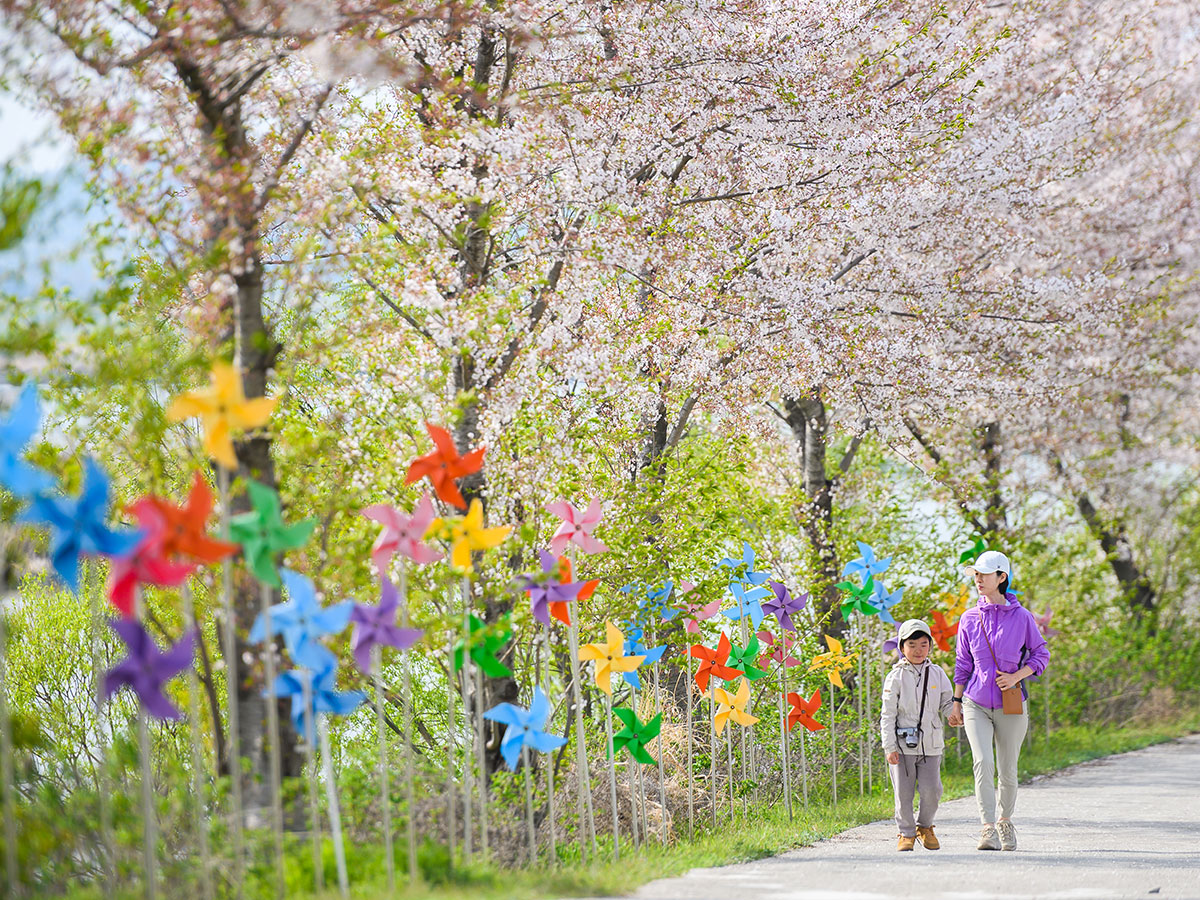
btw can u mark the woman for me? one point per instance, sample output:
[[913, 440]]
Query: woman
[[999, 646]]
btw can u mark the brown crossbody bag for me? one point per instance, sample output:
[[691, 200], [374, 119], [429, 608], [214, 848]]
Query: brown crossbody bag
[[1014, 702]]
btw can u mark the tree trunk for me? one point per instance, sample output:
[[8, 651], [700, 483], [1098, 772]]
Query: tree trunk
[[995, 512], [1138, 593]]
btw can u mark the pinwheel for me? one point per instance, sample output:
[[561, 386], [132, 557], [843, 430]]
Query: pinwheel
[[802, 711], [779, 652], [832, 663], [1043, 623], [263, 535], [184, 527], [484, 645], [655, 602], [147, 564], [524, 728], [146, 668], [942, 630], [77, 525], [881, 602], [223, 410], [746, 563], [695, 613], [978, 545], [609, 657], [466, 534], [402, 533], [732, 706], [744, 659], [713, 662], [956, 603], [17, 476], [576, 527], [302, 621], [892, 644], [749, 603], [636, 736], [444, 466], [783, 605], [860, 598], [635, 649], [867, 565], [549, 595], [566, 577], [375, 626]]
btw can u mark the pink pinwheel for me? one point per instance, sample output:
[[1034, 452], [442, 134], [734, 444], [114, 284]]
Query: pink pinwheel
[[376, 625], [147, 668], [783, 605], [695, 613], [549, 594], [147, 564], [1043, 622], [402, 533], [577, 527], [780, 651]]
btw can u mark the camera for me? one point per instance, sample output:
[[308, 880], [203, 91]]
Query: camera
[[910, 736]]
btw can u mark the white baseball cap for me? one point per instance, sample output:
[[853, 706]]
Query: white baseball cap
[[911, 627], [989, 561]]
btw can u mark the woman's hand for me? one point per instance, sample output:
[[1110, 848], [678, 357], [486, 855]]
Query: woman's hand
[[1006, 680], [894, 758], [955, 719]]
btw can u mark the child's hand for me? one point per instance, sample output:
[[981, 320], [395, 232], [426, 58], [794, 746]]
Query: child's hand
[[894, 758], [955, 719]]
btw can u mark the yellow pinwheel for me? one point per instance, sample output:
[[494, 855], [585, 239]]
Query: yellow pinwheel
[[466, 534], [732, 706], [832, 663], [956, 604], [609, 657], [224, 411]]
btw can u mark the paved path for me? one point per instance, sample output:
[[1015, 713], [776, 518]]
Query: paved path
[[1122, 827]]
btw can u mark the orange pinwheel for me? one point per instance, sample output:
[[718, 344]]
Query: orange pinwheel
[[802, 711], [732, 706], [609, 657], [224, 410], [444, 466], [832, 663], [942, 630], [185, 535], [712, 662]]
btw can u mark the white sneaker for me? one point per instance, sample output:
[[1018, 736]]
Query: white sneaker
[[988, 839], [1008, 835]]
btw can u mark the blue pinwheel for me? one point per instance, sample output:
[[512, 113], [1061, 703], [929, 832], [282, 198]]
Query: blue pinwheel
[[656, 602], [749, 603], [881, 601], [747, 561], [524, 728], [302, 620], [635, 647], [867, 565], [319, 674], [77, 525], [17, 476]]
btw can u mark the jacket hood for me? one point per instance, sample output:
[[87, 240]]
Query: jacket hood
[[1013, 604]]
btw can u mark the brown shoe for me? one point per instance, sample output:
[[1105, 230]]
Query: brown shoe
[[928, 839], [905, 842]]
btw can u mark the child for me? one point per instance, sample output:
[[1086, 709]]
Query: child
[[916, 694]]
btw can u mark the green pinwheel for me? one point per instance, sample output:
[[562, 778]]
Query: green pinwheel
[[859, 600], [744, 658], [484, 645], [977, 547], [263, 534], [636, 735]]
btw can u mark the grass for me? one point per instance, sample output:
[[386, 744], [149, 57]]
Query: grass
[[766, 832]]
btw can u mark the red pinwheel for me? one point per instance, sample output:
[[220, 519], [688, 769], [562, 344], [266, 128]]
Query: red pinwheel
[[444, 466], [565, 576], [942, 630], [802, 711], [712, 662], [548, 592], [184, 532], [147, 564]]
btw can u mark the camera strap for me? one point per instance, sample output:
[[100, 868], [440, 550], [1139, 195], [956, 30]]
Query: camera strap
[[921, 714]]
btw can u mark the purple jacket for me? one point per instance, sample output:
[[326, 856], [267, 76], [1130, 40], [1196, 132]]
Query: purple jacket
[[1015, 638]]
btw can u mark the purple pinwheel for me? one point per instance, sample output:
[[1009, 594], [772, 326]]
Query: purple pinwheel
[[635, 647], [320, 676], [524, 728], [77, 525], [302, 620], [892, 644], [402, 533], [17, 476], [549, 595], [783, 605], [868, 565], [577, 527], [749, 603], [750, 576], [881, 601], [147, 668], [376, 626]]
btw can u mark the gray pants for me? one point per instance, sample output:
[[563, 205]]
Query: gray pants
[[913, 774], [985, 726]]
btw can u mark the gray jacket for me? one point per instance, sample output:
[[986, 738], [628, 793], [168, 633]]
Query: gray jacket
[[902, 703]]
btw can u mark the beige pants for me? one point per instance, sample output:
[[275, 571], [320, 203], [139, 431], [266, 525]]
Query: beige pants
[[914, 774], [984, 727]]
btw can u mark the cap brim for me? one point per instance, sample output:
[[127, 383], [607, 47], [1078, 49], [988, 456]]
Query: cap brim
[[971, 570]]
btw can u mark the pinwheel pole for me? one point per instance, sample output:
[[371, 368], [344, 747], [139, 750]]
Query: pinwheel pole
[[276, 767], [545, 646], [804, 768], [833, 759], [231, 686], [481, 761], [385, 795], [530, 831], [335, 814], [612, 776], [105, 785], [784, 757], [406, 675], [149, 825], [198, 793], [310, 753], [856, 635], [464, 681], [712, 759], [451, 786], [662, 781], [11, 870], [691, 772], [583, 777]]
